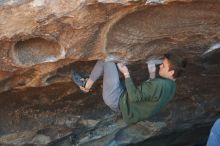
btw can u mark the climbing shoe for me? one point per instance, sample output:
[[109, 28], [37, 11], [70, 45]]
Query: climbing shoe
[[78, 79]]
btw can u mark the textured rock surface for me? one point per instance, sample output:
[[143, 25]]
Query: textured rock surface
[[42, 40]]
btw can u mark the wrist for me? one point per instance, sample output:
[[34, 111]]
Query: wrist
[[126, 75]]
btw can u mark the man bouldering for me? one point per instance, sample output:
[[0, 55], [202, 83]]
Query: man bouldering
[[135, 103]]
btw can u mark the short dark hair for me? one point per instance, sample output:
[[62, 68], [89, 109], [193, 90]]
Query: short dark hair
[[176, 63]]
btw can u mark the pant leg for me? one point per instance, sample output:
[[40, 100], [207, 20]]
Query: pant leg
[[112, 87], [214, 136], [97, 71]]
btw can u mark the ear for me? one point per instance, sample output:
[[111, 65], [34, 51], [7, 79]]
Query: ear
[[171, 72]]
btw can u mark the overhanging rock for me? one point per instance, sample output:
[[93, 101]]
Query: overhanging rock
[[42, 41]]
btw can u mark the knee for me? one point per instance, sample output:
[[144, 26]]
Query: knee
[[100, 62]]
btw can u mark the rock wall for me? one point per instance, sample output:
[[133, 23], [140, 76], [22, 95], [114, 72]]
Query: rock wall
[[41, 41]]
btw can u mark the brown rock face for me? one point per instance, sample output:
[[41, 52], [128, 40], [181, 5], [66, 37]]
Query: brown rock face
[[35, 51], [42, 41]]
